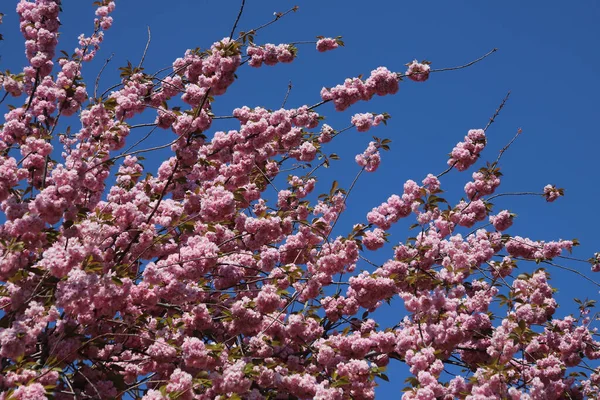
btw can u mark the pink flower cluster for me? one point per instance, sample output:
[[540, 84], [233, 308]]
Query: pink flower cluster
[[370, 158], [381, 82], [105, 21], [533, 250], [215, 70], [484, 183], [466, 153], [396, 207], [270, 54], [130, 98], [374, 239], [534, 296], [418, 72], [502, 221], [71, 98], [364, 122], [595, 261], [12, 84], [467, 214], [327, 133], [21, 338], [10, 175], [326, 44], [552, 193], [39, 24], [89, 45]]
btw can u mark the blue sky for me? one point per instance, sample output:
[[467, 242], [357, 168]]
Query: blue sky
[[547, 57]]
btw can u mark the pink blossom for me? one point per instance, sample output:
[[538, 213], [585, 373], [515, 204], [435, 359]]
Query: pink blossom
[[484, 183], [326, 44], [270, 54], [596, 262], [370, 159], [364, 122], [11, 85], [418, 72], [466, 153], [35, 391], [467, 214], [396, 207], [552, 193], [502, 221], [180, 382], [307, 152], [380, 82], [327, 133], [431, 183], [375, 239]]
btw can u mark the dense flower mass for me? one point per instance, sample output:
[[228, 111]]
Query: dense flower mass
[[269, 54], [226, 272], [39, 24], [381, 82]]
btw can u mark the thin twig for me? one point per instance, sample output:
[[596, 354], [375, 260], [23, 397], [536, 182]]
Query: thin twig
[[278, 16], [466, 65], [506, 147], [446, 170], [78, 371], [500, 107], [143, 125], [46, 162], [237, 20], [515, 194], [287, 94], [100, 74], [35, 86], [304, 42], [111, 88], [143, 381], [68, 382], [141, 140], [265, 176], [164, 69], [318, 104], [573, 271], [146, 49]]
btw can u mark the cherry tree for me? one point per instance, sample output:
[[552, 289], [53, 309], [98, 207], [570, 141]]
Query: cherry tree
[[185, 281]]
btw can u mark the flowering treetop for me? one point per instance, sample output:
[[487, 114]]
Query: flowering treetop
[[186, 282]]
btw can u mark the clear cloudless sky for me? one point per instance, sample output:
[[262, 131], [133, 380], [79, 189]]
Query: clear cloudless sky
[[547, 56]]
